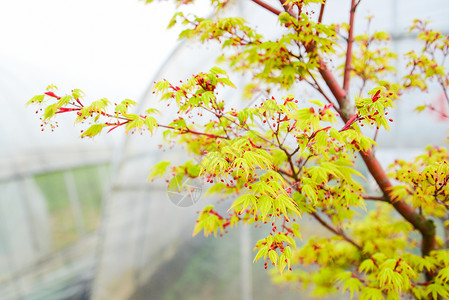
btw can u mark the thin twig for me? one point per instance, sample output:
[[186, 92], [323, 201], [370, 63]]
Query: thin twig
[[335, 231], [187, 130], [444, 91], [320, 90], [442, 114], [375, 198]]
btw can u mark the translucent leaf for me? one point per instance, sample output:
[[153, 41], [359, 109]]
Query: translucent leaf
[[316, 102], [158, 170], [288, 252], [437, 291], [367, 266], [369, 293], [64, 100], [50, 111], [443, 275], [353, 285], [282, 263], [217, 70], [310, 193], [264, 207], [243, 201], [93, 130], [289, 203], [273, 257], [151, 123], [261, 253], [37, 98], [420, 108]]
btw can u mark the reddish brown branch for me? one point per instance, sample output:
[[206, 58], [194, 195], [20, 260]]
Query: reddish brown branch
[[442, 114], [347, 71], [337, 91], [444, 91], [424, 226], [187, 130], [352, 120], [288, 8], [319, 89], [375, 198], [335, 231], [267, 7], [320, 18]]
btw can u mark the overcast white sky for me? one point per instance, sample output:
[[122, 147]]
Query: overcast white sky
[[86, 44]]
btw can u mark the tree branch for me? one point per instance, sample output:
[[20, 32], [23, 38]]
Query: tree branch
[[335, 231], [187, 130], [337, 91], [444, 91], [347, 71], [267, 7], [375, 198], [318, 87], [442, 114], [320, 18], [424, 226], [288, 9]]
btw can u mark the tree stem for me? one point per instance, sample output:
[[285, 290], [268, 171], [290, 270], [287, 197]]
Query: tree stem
[[424, 226]]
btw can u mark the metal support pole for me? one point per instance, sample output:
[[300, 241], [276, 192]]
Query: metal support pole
[[245, 263], [75, 203]]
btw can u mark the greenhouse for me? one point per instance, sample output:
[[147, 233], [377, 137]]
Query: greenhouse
[[78, 217]]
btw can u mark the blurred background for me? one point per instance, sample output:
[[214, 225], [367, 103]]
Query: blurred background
[[78, 220]]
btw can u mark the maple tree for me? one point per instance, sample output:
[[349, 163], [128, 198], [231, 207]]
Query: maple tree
[[301, 160]]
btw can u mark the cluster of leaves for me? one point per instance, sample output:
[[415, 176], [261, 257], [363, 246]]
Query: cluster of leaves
[[279, 62], [285, 158], [423, 182], [381, 269], [97, 114], [429, 62]]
